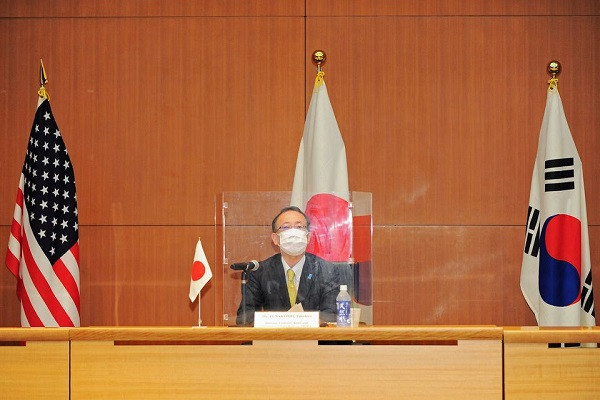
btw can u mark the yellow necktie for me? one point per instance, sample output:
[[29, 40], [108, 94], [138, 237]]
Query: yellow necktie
[[291, 286]]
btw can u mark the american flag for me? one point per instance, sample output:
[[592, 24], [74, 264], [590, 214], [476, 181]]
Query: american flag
[[43, 247]]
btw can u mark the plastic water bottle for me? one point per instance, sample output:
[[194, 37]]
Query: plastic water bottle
[[343, 307]]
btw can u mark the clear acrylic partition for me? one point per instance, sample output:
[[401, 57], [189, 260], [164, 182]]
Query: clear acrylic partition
[[244, 230]]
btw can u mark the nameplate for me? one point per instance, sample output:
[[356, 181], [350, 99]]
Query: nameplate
[[283, 319]]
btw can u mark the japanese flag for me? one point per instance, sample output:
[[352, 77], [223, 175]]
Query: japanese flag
[[321, 179], [201, 272]]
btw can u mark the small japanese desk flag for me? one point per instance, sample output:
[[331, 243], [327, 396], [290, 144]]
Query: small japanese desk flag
[[201, 272]]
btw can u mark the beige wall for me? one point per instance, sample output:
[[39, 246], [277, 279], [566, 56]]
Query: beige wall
[[165, 104]]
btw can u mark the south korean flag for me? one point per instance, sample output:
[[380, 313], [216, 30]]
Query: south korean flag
[[556, 276]]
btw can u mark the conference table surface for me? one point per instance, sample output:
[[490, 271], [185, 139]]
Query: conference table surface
[[160, 333], [412, 362]]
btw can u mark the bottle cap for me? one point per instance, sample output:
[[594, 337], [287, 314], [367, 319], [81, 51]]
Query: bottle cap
[[343, 287]]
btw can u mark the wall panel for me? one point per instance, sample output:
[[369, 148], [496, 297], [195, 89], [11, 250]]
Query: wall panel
[[133, 275], [165, 104], [159, 114], [450, 7], [448, 275], [453, 275], [441, 116], [150, 8]]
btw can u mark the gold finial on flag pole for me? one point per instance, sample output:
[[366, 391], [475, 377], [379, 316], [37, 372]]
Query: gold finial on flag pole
[[318, 58], [553, 69], [43, 80]]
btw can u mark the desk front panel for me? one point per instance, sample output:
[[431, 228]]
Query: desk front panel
[[34, 370], [275, 369], [532, 370]]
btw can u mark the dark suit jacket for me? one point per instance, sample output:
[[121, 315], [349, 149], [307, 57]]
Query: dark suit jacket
[[266, 289]]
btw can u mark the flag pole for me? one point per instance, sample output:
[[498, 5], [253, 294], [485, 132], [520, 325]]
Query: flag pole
[[43, 80], [199, 304], [200, 308], [554, 68]]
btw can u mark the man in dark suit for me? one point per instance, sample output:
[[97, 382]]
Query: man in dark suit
[[292, 276]]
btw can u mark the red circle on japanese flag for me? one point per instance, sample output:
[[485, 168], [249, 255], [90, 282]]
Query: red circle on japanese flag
[[198, 270], [330, 227]]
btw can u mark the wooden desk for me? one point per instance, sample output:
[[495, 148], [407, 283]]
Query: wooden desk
[[34, 363], [159, 363], [534, 371]]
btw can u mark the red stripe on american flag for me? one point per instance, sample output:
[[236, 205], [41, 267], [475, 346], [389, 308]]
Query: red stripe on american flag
[[20, 197], [12, 260], [15, 229], [30, 314], [43, 288], [64, 275], [12, 263], [75, 252]]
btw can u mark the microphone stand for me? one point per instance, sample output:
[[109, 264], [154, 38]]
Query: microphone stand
[[244, 267], [244, 280]]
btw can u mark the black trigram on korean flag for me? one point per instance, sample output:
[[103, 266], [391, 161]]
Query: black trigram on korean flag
[[559, 175], [587, 295], [532, 240]]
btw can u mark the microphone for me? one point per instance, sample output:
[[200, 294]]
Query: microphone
[[245, 266]]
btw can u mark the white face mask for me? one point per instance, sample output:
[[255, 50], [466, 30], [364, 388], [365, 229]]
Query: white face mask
[[293, 241]]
